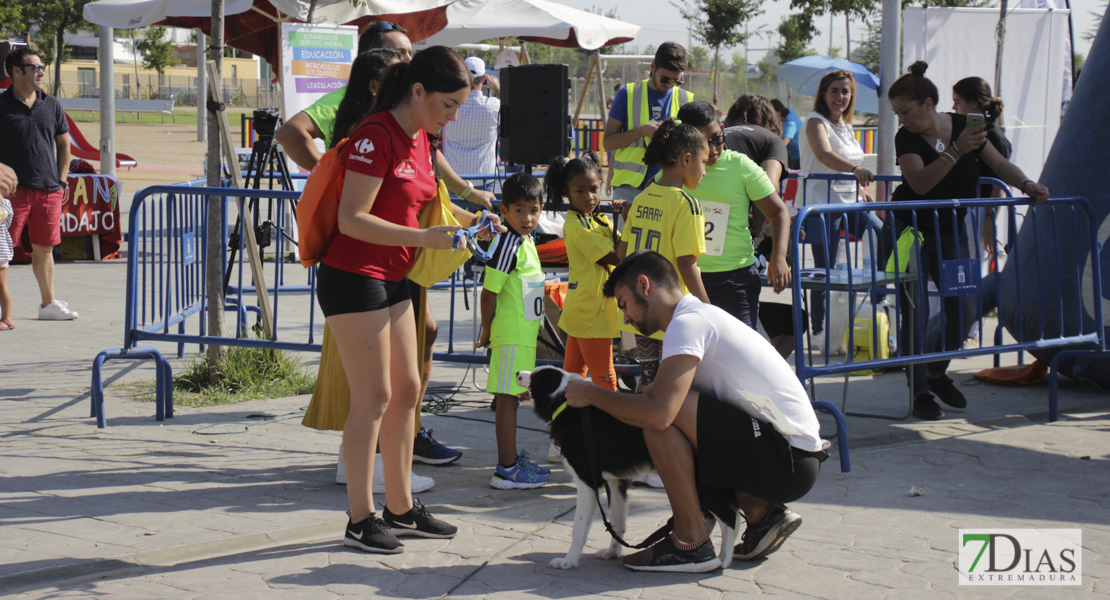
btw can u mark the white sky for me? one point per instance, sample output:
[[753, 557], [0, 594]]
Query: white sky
[[661, 21]]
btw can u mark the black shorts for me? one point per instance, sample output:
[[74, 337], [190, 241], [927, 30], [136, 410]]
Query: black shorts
[[341, 292], [778, 319], [736, 291], [739, 452]]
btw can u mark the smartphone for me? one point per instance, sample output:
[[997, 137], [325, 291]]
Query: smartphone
[[975, 121]]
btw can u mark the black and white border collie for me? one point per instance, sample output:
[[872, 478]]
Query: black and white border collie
[[620, 455]]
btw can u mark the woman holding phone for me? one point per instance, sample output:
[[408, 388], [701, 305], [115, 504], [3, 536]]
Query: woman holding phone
[[939, 155], [972, 95]]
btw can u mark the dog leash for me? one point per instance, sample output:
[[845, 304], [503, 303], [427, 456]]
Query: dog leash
[[659, 534]]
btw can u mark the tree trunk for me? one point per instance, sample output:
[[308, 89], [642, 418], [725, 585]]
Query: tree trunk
[[135, 61], [716, 74], [1000, 35], [214, 281], [847, 36], [58, 45]]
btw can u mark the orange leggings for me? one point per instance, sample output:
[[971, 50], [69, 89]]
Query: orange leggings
[[593, 355]]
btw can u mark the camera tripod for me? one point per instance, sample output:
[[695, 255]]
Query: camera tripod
[[267, 162]]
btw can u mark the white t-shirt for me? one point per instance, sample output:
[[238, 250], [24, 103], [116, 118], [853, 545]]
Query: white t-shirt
[[843, 142], [738, 366]]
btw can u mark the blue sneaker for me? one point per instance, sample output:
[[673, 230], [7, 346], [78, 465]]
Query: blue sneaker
[[425, 449], [517, 477], [524, 460]]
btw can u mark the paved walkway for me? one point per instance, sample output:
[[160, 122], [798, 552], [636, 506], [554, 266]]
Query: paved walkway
[[240, 501]]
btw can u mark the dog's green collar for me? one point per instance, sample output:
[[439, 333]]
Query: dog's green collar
[[558, 411]]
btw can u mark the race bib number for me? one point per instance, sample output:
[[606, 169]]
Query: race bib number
[[533, 293], [716, 227]]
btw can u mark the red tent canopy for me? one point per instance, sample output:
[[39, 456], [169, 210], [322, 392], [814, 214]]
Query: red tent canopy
[[258, 31]]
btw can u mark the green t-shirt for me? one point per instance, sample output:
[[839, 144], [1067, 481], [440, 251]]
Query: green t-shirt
[[322, 112], [729, 184], [514, 274]]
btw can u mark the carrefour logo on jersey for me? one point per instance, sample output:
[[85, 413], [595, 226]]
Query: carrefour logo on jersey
[[364, 146]]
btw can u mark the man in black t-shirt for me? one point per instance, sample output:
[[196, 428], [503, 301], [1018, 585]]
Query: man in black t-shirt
[[37, 149]]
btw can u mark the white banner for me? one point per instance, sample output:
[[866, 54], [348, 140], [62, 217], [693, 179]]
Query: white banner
[[315, 60], [960, 42]]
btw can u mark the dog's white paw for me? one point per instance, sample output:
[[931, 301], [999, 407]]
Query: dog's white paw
[[608, 553], [562, 563]]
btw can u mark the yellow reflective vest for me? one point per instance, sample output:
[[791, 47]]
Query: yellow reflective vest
[[629, 167]]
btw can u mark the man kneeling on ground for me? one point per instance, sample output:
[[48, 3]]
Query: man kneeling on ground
[[722, 393]]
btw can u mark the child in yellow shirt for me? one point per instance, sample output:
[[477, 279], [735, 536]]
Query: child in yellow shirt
[[589, 318]]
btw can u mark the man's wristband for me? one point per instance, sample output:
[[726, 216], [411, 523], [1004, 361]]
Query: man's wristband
[[1021, 187], [466, 191]]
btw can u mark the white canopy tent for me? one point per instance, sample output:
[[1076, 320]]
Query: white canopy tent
[[530, 20]]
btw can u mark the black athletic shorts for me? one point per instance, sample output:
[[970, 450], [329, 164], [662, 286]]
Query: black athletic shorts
[[341, 292], [739, 452], [778, 319]]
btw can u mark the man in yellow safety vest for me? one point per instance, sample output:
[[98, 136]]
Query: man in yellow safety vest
[[637, 110]]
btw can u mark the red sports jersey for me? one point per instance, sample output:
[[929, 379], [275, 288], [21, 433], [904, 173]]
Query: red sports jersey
[[381, 148]]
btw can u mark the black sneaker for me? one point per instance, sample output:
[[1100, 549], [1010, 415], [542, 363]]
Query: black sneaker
[[418, 522], [767, 535], [924, 407], [946, 390], [670, 556], [372, 535]]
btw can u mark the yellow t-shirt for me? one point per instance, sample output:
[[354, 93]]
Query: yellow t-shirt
[[587, 313], [669, 221]]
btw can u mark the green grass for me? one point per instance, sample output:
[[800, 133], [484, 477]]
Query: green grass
[[247, 374], [181, 116]]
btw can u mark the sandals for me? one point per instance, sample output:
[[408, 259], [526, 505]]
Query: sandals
[[6, 324]]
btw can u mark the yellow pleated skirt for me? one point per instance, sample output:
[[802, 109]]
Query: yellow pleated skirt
[[331, 399]]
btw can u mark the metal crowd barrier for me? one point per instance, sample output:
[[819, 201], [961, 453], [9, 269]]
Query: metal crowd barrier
[[978, 294], [166, 275]]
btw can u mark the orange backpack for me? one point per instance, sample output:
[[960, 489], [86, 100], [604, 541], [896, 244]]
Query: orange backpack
[[318, 208]]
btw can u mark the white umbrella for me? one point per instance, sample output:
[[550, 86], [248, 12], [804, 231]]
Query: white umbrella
[[345, 11], [530, 20], [129, 14]]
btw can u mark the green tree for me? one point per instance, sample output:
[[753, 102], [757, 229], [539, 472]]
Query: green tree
[[156, 50], [719, 23], [698, 57], [797, 32], [49, 20], [867, 52]]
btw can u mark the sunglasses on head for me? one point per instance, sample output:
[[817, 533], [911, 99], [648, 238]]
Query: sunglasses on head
[[383, 26], [37, 68]]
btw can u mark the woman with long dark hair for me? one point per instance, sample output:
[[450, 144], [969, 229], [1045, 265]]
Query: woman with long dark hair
[[365, 81], [939, 156], [364, 296]]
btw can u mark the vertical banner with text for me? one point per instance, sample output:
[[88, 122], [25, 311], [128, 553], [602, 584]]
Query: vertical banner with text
[[316, 60]]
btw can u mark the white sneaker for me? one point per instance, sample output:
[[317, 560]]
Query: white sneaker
[[651, 480], [554, 454], [418, 483], [56, 311], [340, 469]]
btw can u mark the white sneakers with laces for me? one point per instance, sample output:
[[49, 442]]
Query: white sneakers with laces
[[56, 311], [418, 483]]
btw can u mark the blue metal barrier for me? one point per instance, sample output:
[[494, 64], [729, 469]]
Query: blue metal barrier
[[872, 281], [166, 271]]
